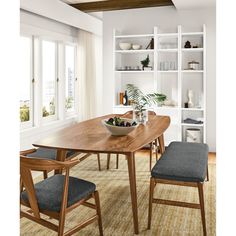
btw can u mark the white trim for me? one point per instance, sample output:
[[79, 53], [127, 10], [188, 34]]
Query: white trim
[[62, 12], [26, 29]]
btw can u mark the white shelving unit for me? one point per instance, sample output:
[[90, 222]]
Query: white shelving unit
[[175, 82]]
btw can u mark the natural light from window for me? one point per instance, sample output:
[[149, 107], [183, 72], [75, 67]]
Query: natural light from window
[[49, 78], [70, 77], [25, 80]]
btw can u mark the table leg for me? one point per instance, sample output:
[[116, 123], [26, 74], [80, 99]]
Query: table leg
[[133, 191], [161, 143], [61, 156]]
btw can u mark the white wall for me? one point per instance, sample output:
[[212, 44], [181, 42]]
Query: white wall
[[138, 21]]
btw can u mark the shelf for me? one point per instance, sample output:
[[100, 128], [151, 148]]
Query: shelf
[[193, 125], [134, 36], [134, 71], [192, 109], [135, 51], [168, 35], [168, 107], [167, 71], [192, 71], [193, 34], [192, 49], [168, 50]]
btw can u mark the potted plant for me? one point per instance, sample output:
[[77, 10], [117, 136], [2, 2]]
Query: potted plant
[[141, 101]]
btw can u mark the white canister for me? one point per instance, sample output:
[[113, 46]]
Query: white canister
[[193, 135], [193, 65]]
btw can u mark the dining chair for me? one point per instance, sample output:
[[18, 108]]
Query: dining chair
[[48, 153], [150, 146], [56, 196]]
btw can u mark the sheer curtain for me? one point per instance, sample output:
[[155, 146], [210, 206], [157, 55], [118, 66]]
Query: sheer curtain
[[88, 74]]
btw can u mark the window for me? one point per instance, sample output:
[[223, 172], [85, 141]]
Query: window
[[49, 79], [70, 78], [43, 62], [25, 77]]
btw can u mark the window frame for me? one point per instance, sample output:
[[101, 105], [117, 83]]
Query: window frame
[[75, 111], [30, 123]]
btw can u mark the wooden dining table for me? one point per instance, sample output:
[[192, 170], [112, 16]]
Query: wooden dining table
[[91, 136]]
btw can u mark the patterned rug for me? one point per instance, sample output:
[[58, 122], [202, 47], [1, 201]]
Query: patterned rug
[[113, 187]]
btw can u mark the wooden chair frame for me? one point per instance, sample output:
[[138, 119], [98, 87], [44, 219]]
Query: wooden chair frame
[[154, 143], [199, 185], [45, 172], [34, 213]]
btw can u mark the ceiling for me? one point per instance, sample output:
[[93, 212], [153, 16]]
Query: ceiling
[[193, 4], [109, 5]]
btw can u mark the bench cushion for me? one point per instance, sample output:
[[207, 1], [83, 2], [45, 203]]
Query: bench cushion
[[49, 192], [48, 153], [182, 161]]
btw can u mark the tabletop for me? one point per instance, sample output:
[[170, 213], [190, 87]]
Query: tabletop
[[91, 136]]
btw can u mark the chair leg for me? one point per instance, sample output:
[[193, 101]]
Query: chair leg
[[117, 161], [152, 186], [98, 209], [61, 225], [156, 149], [150, 162], [201, 200], [45, 174], [99, 163], [108, 161]]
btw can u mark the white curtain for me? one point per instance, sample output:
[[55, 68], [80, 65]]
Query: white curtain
[[88, 75]]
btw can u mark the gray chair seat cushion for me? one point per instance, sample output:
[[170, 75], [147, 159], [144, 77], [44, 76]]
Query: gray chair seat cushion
[[49, 192], [47, 153], [182, 161]]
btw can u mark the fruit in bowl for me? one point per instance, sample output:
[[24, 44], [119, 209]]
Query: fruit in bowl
[[119, 126]]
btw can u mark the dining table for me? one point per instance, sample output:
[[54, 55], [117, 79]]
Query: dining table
[[91, 136]]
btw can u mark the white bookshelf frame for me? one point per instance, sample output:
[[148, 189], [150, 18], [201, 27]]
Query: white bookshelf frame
[[156, 74]]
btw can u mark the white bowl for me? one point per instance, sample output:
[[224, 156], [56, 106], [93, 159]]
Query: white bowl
[[136, 46], [125, 46], [119, 130]]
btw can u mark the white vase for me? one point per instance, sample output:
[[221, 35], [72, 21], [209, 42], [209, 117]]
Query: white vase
[[140, 116], [190, 99]]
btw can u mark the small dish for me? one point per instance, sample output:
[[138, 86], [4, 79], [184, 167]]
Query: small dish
[[136, 46]]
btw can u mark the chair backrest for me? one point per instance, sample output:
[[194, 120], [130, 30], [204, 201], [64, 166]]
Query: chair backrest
[[28, 164], [131, 112]]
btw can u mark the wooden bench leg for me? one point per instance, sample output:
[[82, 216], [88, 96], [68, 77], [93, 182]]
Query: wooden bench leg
[[207, 174], [152, 186], [201, 200], [99, 163], [108, 161]]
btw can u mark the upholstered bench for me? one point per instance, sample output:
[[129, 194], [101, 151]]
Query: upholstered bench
[[183, 164]]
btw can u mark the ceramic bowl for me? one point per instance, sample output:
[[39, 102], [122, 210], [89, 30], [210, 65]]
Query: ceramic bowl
[[119, 130], [136, 46], [125, 46]]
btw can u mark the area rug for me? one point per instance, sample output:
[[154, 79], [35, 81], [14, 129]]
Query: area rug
[[113, 187]]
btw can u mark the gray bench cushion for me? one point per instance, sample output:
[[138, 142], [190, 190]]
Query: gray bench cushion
[[47, 153], [183, 162], [49, 192]]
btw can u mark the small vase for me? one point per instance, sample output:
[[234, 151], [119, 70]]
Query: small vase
[[190, 99], [140, 116]]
